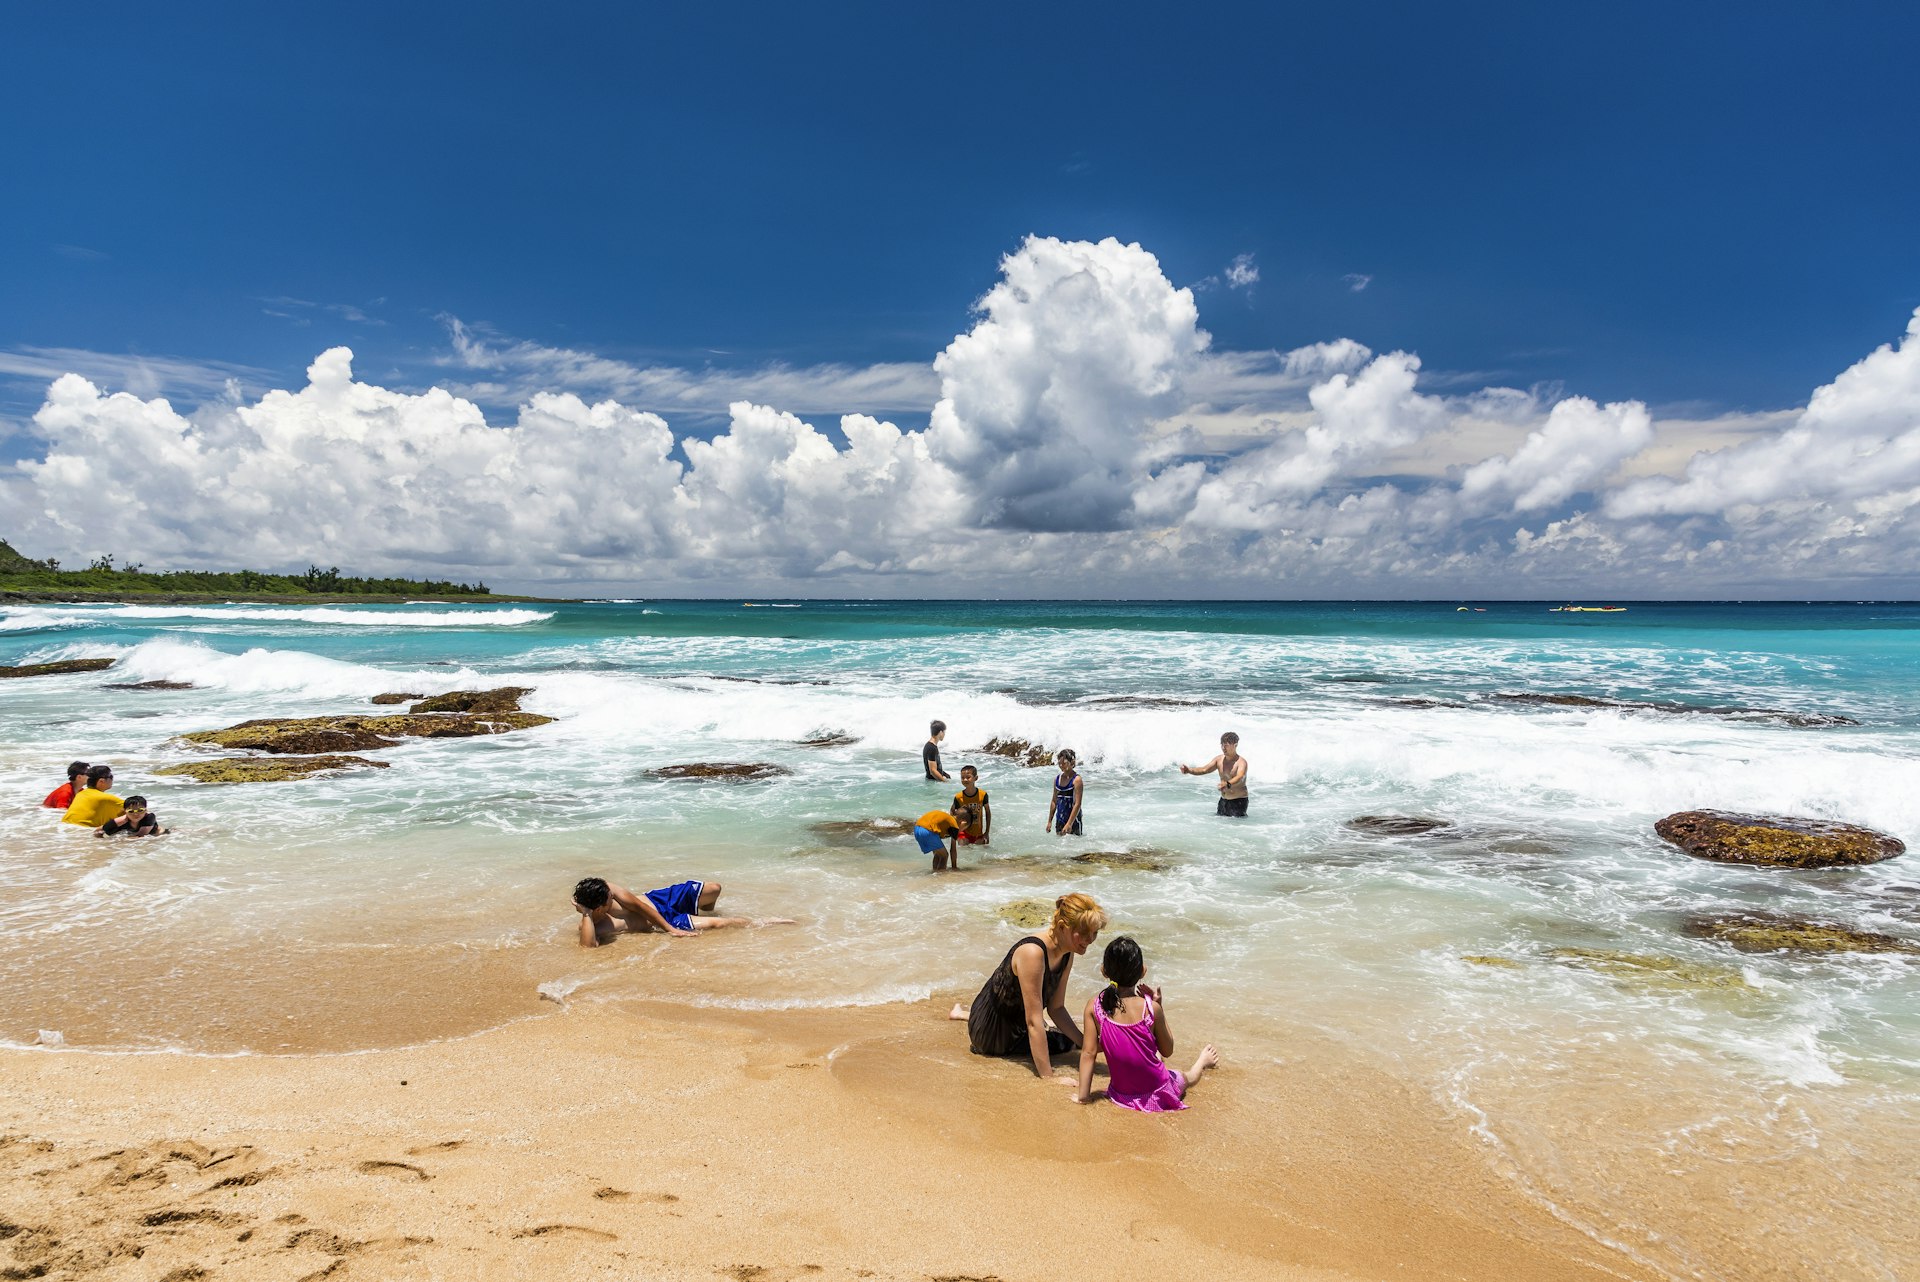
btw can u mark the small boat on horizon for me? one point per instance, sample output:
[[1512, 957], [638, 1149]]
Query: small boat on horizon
[[1586, 609]]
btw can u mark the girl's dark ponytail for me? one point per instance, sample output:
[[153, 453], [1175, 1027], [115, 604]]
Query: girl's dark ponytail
[[1123, 964]]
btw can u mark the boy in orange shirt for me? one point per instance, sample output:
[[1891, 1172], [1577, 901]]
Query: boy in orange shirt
[[938, 833]]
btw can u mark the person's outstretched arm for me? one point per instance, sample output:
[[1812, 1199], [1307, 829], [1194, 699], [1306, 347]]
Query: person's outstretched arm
[[1028, 967], [1207, 769], [589, 938], [1062, 1020], [1089, 1052]]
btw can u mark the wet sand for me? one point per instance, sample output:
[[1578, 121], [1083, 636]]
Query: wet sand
[[660, 1142]]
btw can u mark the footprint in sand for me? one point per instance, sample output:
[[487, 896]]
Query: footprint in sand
[[566, 1230], [444, 1146], [621, 1195], [392, 1168]]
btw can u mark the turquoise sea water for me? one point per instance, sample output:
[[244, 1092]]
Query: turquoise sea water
[[1611, 1058]]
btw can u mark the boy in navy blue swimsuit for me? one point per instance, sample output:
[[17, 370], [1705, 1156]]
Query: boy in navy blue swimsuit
[[607, 910]]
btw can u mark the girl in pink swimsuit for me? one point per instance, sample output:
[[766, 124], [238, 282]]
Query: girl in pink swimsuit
[[1128, 1023]]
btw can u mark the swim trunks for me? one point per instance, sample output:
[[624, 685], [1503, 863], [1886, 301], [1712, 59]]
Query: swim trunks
[[1232, 807], [677, 903], [930, 842]]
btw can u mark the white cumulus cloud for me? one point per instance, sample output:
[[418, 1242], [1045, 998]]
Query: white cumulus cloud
[[1083, 437]]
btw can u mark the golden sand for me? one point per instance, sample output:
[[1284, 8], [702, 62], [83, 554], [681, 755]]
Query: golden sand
[[664, 1143]]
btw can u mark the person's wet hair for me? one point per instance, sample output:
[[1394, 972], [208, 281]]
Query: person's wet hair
[[969, 770], [1067, 755], [77, 768], [591, 892], [965, 815], [97, 773], [1123, 964], [938, 727], [1080, 912], [1229, 737], [136, 803]]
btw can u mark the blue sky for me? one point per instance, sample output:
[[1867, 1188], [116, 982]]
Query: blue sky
[[1702, 208]]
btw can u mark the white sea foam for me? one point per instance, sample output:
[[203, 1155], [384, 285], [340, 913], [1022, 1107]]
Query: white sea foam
[[263, 671], [38, 618]]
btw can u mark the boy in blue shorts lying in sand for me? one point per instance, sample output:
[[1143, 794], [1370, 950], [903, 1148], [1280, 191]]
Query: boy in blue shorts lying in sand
[[607, 910]]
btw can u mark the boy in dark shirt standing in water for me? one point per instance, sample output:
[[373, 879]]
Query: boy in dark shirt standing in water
[[1233, 777], [930, 755]]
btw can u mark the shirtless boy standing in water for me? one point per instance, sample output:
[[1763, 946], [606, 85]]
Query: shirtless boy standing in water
[[607, 910], [1233, 777]]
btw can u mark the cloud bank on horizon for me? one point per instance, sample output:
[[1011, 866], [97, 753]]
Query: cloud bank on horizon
[[1084, 439]]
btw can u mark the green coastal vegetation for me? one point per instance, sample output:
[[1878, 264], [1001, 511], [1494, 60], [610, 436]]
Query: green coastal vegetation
[[22, 578]]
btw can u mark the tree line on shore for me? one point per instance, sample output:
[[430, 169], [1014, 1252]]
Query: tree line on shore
[[23, 574]]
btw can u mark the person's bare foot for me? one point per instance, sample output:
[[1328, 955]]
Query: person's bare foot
[[959, 1011], [1208, 1058]]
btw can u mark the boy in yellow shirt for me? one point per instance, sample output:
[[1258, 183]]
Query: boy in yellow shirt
[[975, 833], [94, 805]]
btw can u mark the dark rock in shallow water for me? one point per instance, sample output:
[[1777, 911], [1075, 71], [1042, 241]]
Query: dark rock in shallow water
[[729, 771], [306, 736], [61, 668], [1030, 754], [1397, 825], [859, 832], [1770, 932], [1144, 701], [1151, 859], [1775, 841], [397, 697], [830, 741], [1802, 720], [265, 769], [1416, 701], [505, 699], [148, 685]]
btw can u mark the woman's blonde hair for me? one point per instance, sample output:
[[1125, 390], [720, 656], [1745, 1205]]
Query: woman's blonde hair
[[1079, 912]]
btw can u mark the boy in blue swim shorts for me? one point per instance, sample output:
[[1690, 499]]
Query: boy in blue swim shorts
[[607, 910], [938, 834]]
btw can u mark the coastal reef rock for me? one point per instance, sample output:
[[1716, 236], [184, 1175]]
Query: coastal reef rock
[[505, 699], [859, 832], [728, 771], [307, 736], [57, 669], [1031, 754], [1151, 859], [830, 741], [1775, 841], [1651, 971], [397, 697], [1027, 914], [1770, 933], [1802, 720], [1396, 825], [148, 685], [265, 769]]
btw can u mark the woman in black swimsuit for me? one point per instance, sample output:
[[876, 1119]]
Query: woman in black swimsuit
[[1030, 983]]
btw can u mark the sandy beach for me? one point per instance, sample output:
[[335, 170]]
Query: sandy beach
[[666, 1143]]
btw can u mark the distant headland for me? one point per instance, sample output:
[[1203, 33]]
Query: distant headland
[[23, 579]]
